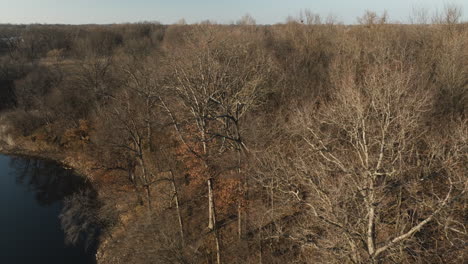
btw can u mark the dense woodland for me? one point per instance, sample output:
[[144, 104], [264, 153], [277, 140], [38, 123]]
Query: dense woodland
[[304, 142]]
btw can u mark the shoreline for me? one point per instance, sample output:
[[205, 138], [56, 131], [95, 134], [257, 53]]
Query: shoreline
[[45, 157], [65, 160]]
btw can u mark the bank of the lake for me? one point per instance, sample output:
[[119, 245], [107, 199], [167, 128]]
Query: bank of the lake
[[111, 192]]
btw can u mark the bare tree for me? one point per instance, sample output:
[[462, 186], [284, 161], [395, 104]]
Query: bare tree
[[219, 85], [450, 15], [366, 157], [128, 124], [142, 80], [419, 16], [371, 18], [93, 76], [246, 20]]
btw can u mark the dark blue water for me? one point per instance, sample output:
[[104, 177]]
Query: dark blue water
[[32, 195]]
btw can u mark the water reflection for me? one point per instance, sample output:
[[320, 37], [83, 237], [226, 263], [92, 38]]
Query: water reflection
[[79, 219], [69, 212], [47, 180]]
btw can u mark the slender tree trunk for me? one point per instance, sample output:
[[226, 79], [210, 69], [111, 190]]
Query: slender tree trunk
[[149, 132], [179, 217], [371, 217], [239, 220], [148, 195], [241, 192], [212, 221], [218, 249], [203, 135], [210, 206], [131, 176], [146, 182]]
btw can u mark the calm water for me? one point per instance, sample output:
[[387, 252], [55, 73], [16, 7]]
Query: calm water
[[33, 194]]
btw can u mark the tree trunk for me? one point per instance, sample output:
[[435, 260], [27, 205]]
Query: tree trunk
[[210, 206], [148, 195], [212, 221], [371, 217], [241, 193], [146, 182], [179, 217], [149, 132]]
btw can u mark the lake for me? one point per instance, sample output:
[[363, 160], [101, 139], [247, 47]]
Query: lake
[[41, 213]]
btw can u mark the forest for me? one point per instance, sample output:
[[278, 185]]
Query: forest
[[303, 142]]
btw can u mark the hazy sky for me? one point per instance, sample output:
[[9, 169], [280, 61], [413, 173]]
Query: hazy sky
[[222, 11]]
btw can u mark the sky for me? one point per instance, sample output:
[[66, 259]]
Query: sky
[[221, 11]]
